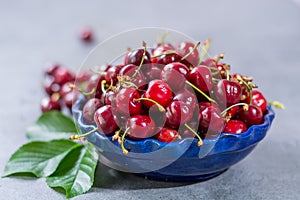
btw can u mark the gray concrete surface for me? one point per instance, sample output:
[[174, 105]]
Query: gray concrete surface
[[260, 38]]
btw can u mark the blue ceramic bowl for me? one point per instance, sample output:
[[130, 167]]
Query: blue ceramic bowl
[[182, 160]]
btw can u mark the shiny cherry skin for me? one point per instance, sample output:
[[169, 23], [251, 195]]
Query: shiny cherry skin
[[160, 50], [175, 75], [228, 92], [202, 105], [211, 121], [51, 68], [65, 89], [166, 135], [70, 98], [158, 91], [90, 108], [125, 101], [201, 77], [86, 34], [209, 62], [235, 126], [232, 112], [50, 85], [112, 74], [177, 113], [134, 57], [154, 73], [139, 80], [185, 132], [251, 115], [108, 98], [186, 47], [258, 99], [140, 127], [63, 75], [170, 58], [104, 120], [95, 82], [187, 97], [50, 104]]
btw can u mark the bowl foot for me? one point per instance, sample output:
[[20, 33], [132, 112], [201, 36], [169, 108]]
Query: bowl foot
[[171, 178]]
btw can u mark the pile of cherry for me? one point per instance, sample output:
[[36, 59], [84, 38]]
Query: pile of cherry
[[164, 92]]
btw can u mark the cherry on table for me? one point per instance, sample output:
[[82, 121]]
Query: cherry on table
[[70, 98], [50, 85], [65, 89], [140, 127], [63, 75], [86, 34], [90, 108], [50, 104], [235, 126], [51, 68], [104, 120], [167, 135]]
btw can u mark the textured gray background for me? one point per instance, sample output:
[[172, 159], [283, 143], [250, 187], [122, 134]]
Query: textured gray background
[[260, 38]]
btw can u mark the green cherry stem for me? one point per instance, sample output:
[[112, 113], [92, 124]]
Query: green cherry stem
[[165, 53], [248, 88], [141, 63], [125, 151], [98, 72], [200, 142], [200, 91], [80, 136], [188, 54], [204, 50], [160, 107], [72, 86], [223, 113], [277, 104], [161, 38]]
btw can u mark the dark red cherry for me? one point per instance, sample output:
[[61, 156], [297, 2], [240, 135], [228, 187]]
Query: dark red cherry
[[177, 113], [167, 59], [187, 97], [158, 91], [51, 68], [139, 79], [186, 47], [86, 34], [187, 133], [167, 135], [235, 126], [49, 104], [201, 77], [209, 62], [219, 71], [105, 120], [83, 76], [50, 85], [134, 57], [203, 105], [140, 127], [232, 112], [65, 89], [108, 97], [154, 73], [228, 92], [70, 98], [258, 99], [211, 121], [175, 75], [112, 73], [95, 81], [251, 115], [126, 101], [160, 50], [90, 108], [63, 75]]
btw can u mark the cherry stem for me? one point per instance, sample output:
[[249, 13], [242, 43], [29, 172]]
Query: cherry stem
[[165, 53], [200, 91], [200, 142], [97, 72], [219, 57], [125, 151], [55, 96], [223, 113], [160, 107], [204, 50], [248, 88], [72, 86], [103, 86], [79, 136], [161, 39], [188, 54], [277, 104], [141, 63]]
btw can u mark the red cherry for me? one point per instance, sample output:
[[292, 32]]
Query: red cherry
[[95, 81], [125, 101], [201, 77], [158, 91], [112, 73], [135, 58], [139, 79], [258, 99], [49, 104], [235, 126], [108, 97], [63, 75], [140, 127], [177, 113], [166, 135], [154, 73], [251, 115], [83, 76], [187, 133], [51, 68], [160, 50], [105, 120], [65, 89], [89, 109], [228, 92], [86, 34], [50, 85], [209, 62], [187, 97], [70, 98], [175, 75], [186, 47]]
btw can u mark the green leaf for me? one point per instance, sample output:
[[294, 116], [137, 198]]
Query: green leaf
[[39, 158], [51, 125], [75, 173]]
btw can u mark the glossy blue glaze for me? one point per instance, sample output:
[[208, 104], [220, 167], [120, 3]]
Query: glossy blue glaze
[[182, 160]]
